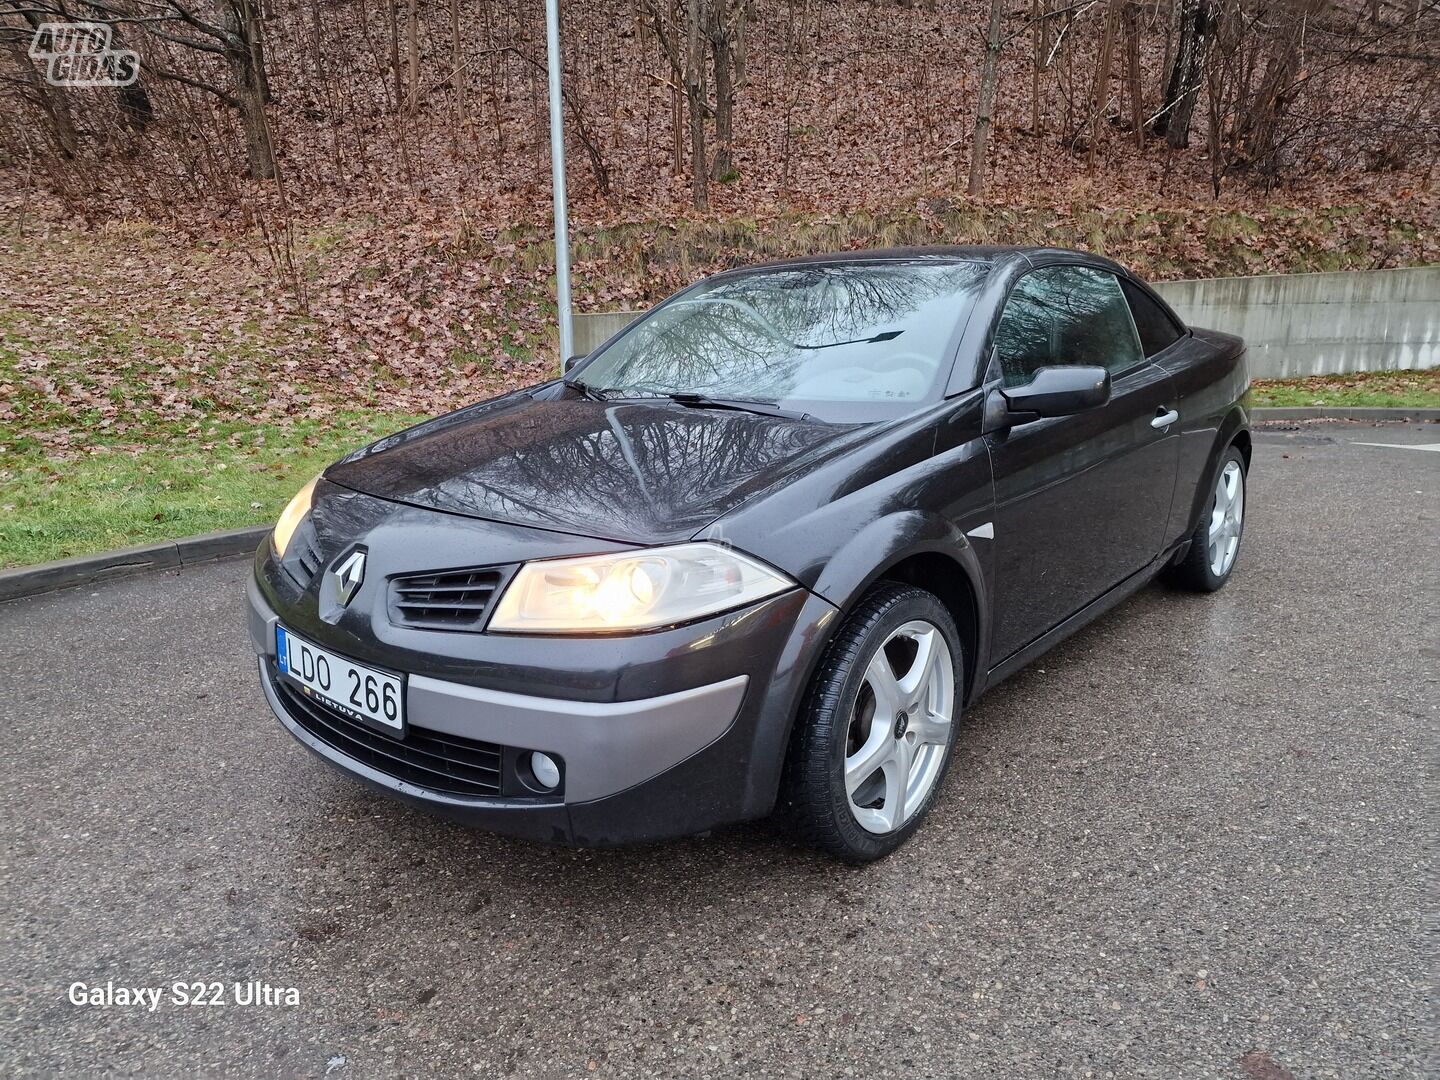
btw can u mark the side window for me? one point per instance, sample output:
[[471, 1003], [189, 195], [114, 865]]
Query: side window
[[1065, 315], [1157, 330], [1025, 338]]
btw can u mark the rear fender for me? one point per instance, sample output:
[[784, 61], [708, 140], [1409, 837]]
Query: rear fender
[[1235, 422]]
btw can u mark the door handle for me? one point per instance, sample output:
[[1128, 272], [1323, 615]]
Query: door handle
[[1164, 419]]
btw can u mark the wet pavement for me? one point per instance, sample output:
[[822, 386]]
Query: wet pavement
[[1194, 841]]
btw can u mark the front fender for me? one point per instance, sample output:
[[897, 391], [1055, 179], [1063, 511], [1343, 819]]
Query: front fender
[[839, 528], [889, 541], [866, 558], [934, 554]]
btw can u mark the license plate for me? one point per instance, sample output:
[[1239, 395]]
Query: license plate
[[354, 690]]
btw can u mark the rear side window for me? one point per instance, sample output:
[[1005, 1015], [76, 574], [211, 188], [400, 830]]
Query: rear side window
[[1157, 330], [1061, 315]]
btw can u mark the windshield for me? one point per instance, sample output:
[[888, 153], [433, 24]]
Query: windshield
[[870, 336]]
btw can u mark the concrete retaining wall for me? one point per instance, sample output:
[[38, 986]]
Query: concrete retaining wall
[[591, 331], [1321, 324], [1295, 324]]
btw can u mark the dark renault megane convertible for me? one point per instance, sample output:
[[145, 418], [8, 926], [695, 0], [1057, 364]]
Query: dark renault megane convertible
[[755, 554]]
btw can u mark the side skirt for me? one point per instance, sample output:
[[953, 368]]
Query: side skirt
[[1089, 613]]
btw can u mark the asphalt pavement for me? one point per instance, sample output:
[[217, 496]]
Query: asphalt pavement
[[1194, 841]]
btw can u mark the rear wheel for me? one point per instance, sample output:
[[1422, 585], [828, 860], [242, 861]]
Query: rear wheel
[[1215, 544], [874, 738]]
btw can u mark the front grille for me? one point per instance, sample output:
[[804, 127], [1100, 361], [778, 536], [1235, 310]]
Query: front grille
[[309, 554], [450, 600], [304, 557], [430, 759]]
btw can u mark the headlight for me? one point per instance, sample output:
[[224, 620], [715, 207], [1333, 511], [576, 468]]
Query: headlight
[[290, 518], [632, 590]]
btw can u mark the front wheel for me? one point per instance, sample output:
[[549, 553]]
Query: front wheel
[[874, 738], [1215, 544]]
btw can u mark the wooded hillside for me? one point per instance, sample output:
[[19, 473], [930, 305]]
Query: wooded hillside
[[735, 104]]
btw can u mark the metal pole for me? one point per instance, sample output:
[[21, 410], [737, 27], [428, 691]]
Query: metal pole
[[557, 180]]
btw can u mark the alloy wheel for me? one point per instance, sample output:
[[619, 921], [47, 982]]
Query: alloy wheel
[[899, 732], [1226, 518]]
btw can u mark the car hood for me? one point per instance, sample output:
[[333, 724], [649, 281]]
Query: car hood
[[636, 471]]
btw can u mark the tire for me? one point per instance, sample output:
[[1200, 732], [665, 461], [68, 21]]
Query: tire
[[848, 698], [1202, 568]]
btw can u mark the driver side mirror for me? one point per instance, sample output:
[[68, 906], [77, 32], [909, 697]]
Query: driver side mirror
[[1057, 391], [570, 362]]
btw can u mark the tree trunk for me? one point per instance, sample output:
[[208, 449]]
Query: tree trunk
[[985, 108], [255, 35], [1137, 85], [724, 95], [258, 155], [695, 94], [1186, 73], [677, 130], [392, 16], [457, 77], [1037, 61], [799, 35], [1100, 93], [1213, 81], [412, 71], [1065, 75], [1171, 13], [242, 51]]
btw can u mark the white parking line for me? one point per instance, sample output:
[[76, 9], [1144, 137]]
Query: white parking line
[[1404, 446]]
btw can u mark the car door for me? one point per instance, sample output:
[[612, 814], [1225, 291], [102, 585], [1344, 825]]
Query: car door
[[1208, 376], [1081, 501]]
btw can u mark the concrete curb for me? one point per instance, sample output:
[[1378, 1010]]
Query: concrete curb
[[91, 569], [1327, 413]]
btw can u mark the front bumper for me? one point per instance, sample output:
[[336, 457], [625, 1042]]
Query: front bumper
[[660, 734]]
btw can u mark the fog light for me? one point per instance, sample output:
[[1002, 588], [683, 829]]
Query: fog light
[[545, 770]]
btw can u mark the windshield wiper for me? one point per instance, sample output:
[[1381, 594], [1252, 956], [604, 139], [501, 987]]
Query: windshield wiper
[[594, 393], [888, 335], [762, 408], [689, 400]]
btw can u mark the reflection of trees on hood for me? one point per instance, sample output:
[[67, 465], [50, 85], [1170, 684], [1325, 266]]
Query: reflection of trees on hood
[[756, 330], [650, 454], [590, 462]]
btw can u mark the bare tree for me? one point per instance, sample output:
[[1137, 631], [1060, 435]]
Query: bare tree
[[727, 45], [1100, 95], [1132, 71], [392, 19], [1038, 27], [1258, 125], [680, 28], [33, 88], [985, 107], [457, 66], [232, 35], [412, 55], [802, 28], [1187, 72], [695, 94]]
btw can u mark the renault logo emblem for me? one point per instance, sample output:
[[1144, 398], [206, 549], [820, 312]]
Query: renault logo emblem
[[348, 576]]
